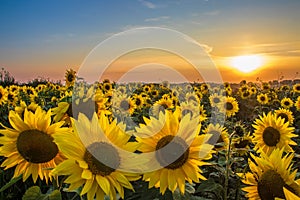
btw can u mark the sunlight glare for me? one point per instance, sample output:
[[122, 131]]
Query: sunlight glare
[[247, 63]]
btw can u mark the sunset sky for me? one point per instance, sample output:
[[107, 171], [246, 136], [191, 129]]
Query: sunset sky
[[44, 38]]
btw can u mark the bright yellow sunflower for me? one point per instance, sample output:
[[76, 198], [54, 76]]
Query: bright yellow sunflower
[[230, 106], [287, 102], [271, 133], [3, 95], [220, 136], [216, 100], [29, 144], [263, 98], [286, 114], [70, 77], [162, 105], [96, 159], [174, 149], [269, 175], [297, 103], [62, 112], [296, 88]]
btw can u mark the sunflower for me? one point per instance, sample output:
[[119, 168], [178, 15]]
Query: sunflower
[[263, 98], [29, 144], [107, 87], [192, 97], [287, 102], [219, 138], [202, 113], [70, 77], [253, 90], [138, 100], [96, 159], [175, 150], [189, 108], [285, 88], [216, 100], [162, 105], [241, 144], [297, 103], [286, 114], [265, 86], [3, 95], [230, 106], [269, 175], [62, 112], [271, 133], [296, 88], [246, 94]]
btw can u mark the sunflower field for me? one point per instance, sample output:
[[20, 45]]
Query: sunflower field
[[109, 140]]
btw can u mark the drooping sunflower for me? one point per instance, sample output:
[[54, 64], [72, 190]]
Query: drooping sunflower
[[286, 114], [287, 102], [230, 106], [241, 144], [3, 95], [271, 133], [296, 88], [269, 175], [29, 144], [175, 150], [263, 98], [70, 77], [96, 158], [219, 136]]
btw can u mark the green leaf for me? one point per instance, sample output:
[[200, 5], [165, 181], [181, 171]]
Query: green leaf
[[33, 193], [55, 195], [10, 183], [210, 186]]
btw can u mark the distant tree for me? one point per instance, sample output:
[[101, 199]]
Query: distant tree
[[6, 78]]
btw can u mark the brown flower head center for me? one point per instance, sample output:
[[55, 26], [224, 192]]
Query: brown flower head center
[[262, 98], [187, 111], [36, 146], [228, 106], [283, 116], [102, 158], [270, 185], [215, 138], [124, 105], [216, 100], [287, 103], [241, 144], [138, 102], [171, 152], [71, 77], [271, 136]]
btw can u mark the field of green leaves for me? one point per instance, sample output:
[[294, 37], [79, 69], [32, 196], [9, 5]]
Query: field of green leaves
[[149, 140]]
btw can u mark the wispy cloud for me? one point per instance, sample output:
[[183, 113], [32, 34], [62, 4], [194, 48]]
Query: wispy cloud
[[148, 4], [155, 19], [278, 49]]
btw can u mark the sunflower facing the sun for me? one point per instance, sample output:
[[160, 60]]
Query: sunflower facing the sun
[[177, 150], [29, 144], [95, 157], [271, 133], [271, 177]]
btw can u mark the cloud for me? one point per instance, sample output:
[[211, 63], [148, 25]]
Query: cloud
[[155, 19], [148, 4], [278, 49]]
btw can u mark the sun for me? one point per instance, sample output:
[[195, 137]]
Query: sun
[[247, 63]]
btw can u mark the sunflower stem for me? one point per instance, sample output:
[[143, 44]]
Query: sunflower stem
[[228, 162]]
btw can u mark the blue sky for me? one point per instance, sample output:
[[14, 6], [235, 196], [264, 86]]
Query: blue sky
[[44, 38]]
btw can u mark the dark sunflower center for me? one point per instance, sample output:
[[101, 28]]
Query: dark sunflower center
[[271, 136], [287, 103], [36, 146], [262, 98], [29, 92], [228, 106], [124, 105], [215, 137], [162, 108], [70, 77], [138, 101], [192, 98], [270, 185], [283, 116], [102, 158], [171, 152], [241, 144], [216, 100], [298, 88], [1, 95], [107, 87]]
